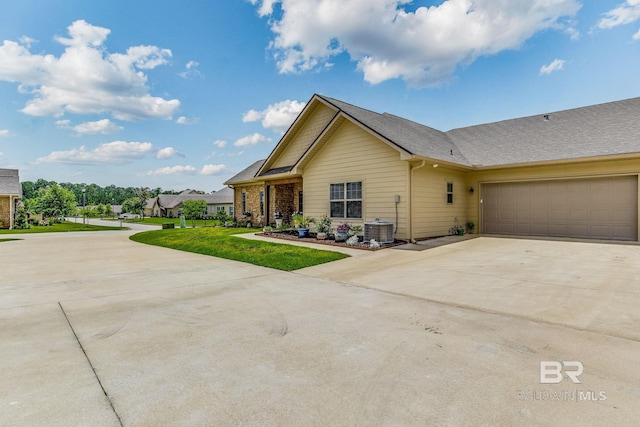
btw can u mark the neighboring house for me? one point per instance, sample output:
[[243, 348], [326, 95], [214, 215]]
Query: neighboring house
[[169, 205], [10, 194], [571, 173]]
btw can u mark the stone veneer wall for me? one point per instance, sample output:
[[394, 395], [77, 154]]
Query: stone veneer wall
[[5, 212], [283, 201], [284, 198], [253, 202]]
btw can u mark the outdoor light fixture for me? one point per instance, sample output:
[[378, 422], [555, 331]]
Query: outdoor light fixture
[[471, 190], [435, 166]]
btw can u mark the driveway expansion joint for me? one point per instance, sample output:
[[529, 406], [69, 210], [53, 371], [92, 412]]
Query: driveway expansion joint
[[91, 365]]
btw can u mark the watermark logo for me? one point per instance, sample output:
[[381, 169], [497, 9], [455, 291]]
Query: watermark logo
[[554, 372], [551, 371]]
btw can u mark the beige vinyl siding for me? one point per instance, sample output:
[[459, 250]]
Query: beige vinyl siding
[[305, 137], [351, 155], [571, 170], [432, 215]]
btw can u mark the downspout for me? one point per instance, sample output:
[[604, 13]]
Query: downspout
[[411, 239]]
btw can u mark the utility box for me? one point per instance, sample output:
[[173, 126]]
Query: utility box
[[380, 231]]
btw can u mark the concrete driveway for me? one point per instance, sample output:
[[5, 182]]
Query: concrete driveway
[[98, 330]]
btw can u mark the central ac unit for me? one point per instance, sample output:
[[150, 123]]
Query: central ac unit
[[380, 231]]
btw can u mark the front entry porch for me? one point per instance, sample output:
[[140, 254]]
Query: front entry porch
[[284, 196]]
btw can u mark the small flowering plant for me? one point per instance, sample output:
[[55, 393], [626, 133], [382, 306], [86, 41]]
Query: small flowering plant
[[324, 224], [343, 228]]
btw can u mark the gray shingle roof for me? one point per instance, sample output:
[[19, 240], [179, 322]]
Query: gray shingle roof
[[247, 174], [597, 130], [10, 182], [411, 137]]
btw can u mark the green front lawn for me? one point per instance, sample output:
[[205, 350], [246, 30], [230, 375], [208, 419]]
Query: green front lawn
[[65, 226], [221, 243]]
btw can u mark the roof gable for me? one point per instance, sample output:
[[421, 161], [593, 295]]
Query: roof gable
[[301, 135]]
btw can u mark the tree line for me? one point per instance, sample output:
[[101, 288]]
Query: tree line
[[56, 201], [94, 194]]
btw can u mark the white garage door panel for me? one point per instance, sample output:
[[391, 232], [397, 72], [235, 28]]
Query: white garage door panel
[[598, 208]]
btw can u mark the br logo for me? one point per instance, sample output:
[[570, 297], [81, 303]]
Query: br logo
[[551, 371]]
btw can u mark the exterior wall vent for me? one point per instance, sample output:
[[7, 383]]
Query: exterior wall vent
[[380, 231]]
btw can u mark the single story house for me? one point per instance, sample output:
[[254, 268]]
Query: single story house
[[169, 205], [571, 173], [10, 194]]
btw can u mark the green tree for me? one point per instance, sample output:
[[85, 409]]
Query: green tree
[[132, 205], [193, 209], [31, 205], [56, 202], [143, 194]]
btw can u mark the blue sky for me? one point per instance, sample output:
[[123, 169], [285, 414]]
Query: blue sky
[[179, 95]]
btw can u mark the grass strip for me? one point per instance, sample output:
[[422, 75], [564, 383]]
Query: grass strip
[[62, 227], [221, 243]]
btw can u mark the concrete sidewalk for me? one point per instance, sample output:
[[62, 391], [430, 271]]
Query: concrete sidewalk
[[99, 330]]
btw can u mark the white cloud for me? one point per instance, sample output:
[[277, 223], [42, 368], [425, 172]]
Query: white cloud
[[424, 47], [573, 33], [220, 143], [625, 13], [277, 117], [174, 170], [182, 120], [556, 65], [188, 170], [168, 153], [636, 36], [111, 153], [4, 133], [102, 82], [266, 6], [191, 69], [212, 169], [104, 127], [254, 139]]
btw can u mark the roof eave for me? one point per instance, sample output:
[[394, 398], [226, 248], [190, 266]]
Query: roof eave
[[608, 157], [438, 162]]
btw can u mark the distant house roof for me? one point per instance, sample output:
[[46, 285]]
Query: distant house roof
[[170, 201], [10, 182], [224, 195]]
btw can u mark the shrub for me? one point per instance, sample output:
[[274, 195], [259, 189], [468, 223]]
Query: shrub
[[21, 220]]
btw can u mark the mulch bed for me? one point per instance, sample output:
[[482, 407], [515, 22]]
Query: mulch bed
[[328, 242]]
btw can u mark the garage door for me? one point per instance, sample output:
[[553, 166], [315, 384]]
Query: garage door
[[603, 208]]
